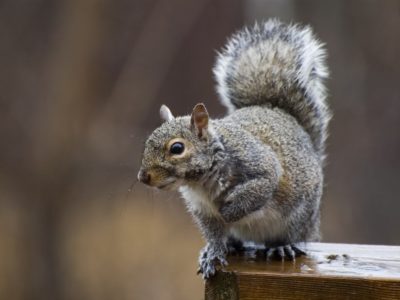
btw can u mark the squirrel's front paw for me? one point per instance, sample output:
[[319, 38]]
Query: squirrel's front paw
[[228, 213], [209, 259]]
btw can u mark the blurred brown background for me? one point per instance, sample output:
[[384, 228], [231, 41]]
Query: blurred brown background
[[81, 84]]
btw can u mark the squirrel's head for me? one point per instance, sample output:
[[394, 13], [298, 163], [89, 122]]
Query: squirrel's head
[[178, 151]]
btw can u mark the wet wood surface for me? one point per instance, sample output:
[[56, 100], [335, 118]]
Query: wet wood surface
[[329, 271]]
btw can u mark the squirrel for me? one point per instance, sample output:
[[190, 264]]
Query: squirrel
[[255, 175]]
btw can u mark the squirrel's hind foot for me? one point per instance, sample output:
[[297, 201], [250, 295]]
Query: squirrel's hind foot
[[288, 252], [235, 246]]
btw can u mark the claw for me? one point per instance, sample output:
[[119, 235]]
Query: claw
[[208, 271], [298, 251], [222, 261], [288, 252], [280, 253], [270, 252]]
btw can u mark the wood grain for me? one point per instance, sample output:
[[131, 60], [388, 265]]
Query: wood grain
[[329, 271]]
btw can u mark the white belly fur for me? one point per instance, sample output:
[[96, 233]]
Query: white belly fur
[[196, 199], [258, 227]]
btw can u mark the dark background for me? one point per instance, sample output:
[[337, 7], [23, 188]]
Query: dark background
[[81, 84]]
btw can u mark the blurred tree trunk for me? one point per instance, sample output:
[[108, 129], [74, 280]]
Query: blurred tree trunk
[[60, 131]]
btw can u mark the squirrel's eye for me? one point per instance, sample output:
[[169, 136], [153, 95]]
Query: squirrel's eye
[[177, 148]]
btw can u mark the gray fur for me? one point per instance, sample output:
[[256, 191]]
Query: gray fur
[[281, 65], [256, 174]]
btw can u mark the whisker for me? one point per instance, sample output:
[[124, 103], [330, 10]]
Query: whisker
[[152, 195], [130, 190]]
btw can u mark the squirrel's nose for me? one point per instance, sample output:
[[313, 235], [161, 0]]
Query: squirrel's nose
[[144, 177]]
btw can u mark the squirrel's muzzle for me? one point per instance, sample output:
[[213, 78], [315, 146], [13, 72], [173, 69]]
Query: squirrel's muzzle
[[144, 177]]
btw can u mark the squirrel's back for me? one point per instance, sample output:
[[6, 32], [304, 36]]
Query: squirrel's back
[[280, 66]]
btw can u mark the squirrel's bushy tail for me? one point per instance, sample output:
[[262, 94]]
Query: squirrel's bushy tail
[[280, 65]]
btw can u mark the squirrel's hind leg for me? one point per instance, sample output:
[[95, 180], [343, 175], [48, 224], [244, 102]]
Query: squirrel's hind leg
[[288, 252]]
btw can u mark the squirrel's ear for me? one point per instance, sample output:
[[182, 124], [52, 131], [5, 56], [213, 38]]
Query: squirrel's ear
[[165, 113], [199, 120]]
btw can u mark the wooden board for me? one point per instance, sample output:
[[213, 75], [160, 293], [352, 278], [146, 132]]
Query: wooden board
[[329, 271]]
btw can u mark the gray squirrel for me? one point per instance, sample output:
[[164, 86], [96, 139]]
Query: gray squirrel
[[256, 174]]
